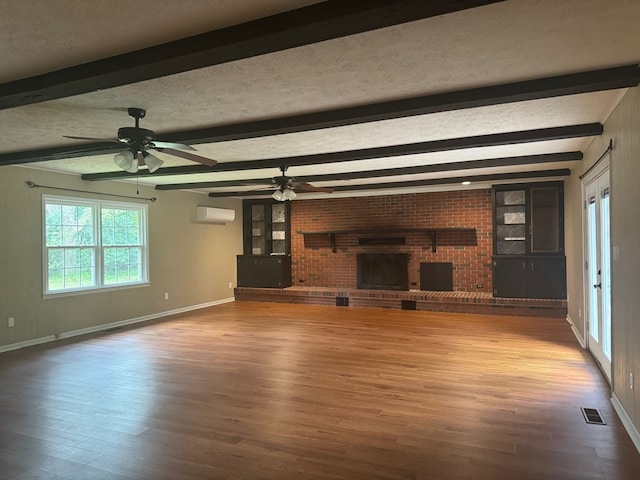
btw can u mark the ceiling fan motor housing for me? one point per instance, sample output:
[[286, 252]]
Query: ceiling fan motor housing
[[136, 137]]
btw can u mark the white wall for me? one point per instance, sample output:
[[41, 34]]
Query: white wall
[[623, 126], [193, 262]]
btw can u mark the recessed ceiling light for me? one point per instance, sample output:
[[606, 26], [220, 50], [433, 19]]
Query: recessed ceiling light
[[466, 182]]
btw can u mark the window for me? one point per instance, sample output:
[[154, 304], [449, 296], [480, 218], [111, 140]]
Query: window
[[92, 244]]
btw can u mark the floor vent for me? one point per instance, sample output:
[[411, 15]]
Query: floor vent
[[342, 301], [592, 415], [408, 305]]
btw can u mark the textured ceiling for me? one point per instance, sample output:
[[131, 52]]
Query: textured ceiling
[[509, 41]]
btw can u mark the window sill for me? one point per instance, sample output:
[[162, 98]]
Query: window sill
[[87, 291]]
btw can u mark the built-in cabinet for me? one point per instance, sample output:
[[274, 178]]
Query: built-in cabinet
[[529, 259], [266, 261], [269, 271]]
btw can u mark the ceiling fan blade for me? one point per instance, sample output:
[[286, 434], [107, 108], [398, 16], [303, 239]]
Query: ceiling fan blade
[[188, 156], [307, 187], [170, 145], [113, 140]]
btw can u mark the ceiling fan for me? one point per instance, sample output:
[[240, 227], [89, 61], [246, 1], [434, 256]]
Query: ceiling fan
[[286, 186], [138, 141]]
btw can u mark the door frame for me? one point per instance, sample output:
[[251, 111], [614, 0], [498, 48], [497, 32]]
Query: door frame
[[602, 167]]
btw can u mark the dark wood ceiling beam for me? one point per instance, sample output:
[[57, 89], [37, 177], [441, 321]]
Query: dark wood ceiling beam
[[491, 140], [315, 23], [618, 77], [585, 82], [388, 172], [562, 172]]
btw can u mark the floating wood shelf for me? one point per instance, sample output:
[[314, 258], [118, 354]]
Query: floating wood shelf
[[431, 232]]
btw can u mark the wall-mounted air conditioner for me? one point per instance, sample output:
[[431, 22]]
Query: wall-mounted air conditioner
[[214, 215]]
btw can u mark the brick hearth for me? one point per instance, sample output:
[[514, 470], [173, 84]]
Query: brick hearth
[[459, 302]]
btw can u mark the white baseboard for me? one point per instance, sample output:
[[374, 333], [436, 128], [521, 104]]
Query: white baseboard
[[576, 332], [27, 343], [107, 326], [626, 421]]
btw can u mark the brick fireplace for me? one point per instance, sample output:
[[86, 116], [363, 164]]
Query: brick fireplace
[[395, 222]]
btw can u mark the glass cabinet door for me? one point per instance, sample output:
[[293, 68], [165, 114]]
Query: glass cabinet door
[[278, 229], [266, 227], [258, 230], [511, 222], [545, 220]]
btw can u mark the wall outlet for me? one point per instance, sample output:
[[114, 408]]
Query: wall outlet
[[230, 284], [166, 295], [11, 321], [631, 380]]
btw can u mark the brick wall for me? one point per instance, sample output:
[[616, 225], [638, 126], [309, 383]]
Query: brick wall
[[314, 263]]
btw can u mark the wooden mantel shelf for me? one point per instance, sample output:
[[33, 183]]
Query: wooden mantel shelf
[[432, 232]]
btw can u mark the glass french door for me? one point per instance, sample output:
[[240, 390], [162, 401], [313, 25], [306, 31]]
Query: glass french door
[[598, 264]]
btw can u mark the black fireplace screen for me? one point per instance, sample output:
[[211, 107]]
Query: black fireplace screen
[[383, 271]]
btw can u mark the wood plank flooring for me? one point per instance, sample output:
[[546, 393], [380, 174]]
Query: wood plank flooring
[[277, 391]]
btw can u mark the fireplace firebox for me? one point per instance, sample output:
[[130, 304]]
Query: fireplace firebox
[[383, 271]]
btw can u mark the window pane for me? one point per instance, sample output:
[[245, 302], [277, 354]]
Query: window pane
[[53, 214], [87, 278], [55, 279], [71, 277], [120, 218], [53, 234], [122, 265], [56, 258], [69, 215], [107, 218]]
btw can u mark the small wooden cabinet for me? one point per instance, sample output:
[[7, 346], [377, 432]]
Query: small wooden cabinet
[[267, 244], [529, 277], [268, 271], [528, 247]]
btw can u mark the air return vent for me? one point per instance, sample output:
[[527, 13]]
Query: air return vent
[[592, 415]]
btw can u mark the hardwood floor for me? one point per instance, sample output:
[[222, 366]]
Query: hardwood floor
[[277, 391]]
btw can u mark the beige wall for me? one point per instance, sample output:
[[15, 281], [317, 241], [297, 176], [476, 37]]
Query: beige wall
[[192, 262], [623, 126]]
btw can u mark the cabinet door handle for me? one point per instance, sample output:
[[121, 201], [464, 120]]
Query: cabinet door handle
[[524, 265], [532, 266]]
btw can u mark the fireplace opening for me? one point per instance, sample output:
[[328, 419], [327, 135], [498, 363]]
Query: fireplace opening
[[383, 271]]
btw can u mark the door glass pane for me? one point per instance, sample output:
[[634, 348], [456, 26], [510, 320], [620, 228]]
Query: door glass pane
[[592, 268], [545, 223], [605, 274]]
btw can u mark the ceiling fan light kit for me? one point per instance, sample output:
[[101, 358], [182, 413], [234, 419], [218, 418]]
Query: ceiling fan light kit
[[126, 161], [153, 163]]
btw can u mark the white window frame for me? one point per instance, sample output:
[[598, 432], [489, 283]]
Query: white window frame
[[97, 207]]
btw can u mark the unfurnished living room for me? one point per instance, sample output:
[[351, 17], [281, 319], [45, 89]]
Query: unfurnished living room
[[293, 239]]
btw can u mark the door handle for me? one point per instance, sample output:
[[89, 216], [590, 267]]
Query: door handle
[[598, 285]]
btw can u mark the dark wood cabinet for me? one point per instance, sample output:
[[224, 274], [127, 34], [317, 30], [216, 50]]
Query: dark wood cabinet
[[528, 247], [266, 243], [266, 227], [528, 219], [268, 271], [529, 277]]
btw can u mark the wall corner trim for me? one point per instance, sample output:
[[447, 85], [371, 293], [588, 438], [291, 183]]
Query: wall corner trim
[[575, 331], [626, 421], [107, 326]]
